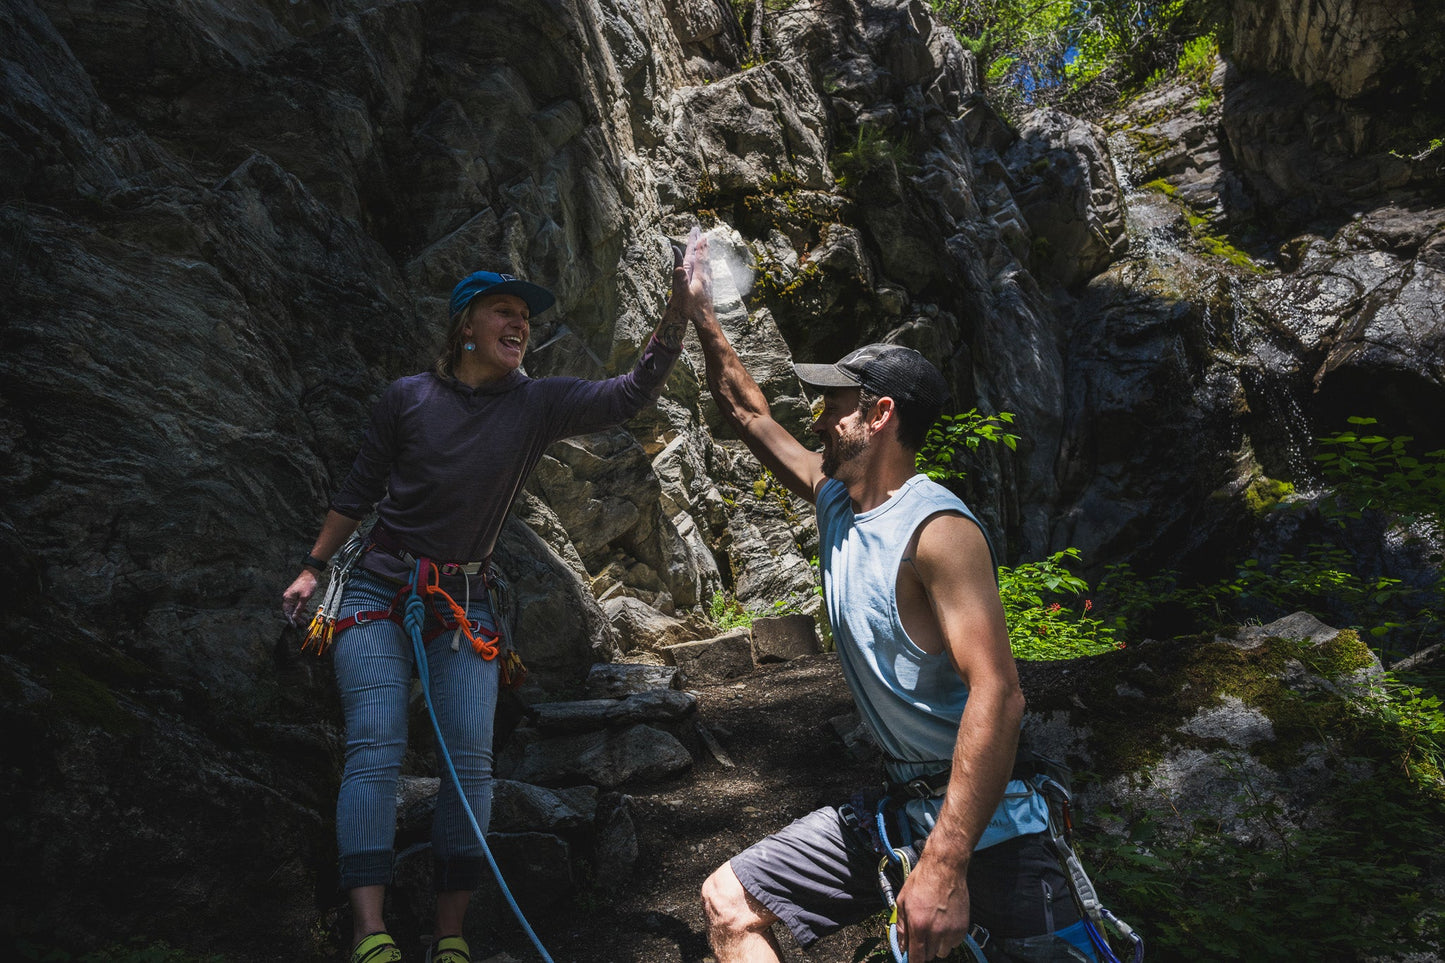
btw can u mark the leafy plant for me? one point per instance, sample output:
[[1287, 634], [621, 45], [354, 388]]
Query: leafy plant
[[871, 151], [1369, 471], [1045, 51], [728, 613], [1196, 61], [1203, 893], [1038, 599], [952, 435]]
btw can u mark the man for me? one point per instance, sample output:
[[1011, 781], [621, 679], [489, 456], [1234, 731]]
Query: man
[[909, 582]]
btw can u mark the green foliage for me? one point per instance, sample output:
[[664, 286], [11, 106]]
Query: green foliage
[[1196, 61], [1411, 724], [1369, 474], [953, 435], [1263, 495], [870, 153], [728, 613], [1037, 602], [1033, 51], [1203, 894], [1369, 471]]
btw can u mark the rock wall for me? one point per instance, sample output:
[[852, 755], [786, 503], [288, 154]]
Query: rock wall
[[228, 225]]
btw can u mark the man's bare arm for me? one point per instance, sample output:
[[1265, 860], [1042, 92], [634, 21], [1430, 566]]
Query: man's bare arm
[[953, 563], [743, 404]]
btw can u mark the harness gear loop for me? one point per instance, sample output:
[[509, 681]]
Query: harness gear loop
[[322, 630], [484, 643], [1049, 779]]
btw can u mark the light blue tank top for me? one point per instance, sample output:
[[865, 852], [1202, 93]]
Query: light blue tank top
[[910, 700]]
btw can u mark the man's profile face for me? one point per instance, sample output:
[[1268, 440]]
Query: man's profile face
[[840, 426]]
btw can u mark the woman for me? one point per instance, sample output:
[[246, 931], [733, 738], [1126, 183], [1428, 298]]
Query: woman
[[443, 458]]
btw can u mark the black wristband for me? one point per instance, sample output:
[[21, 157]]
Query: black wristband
[[311, 561]]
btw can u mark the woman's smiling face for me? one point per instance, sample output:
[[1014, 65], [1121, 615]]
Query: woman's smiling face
[[498, 324]]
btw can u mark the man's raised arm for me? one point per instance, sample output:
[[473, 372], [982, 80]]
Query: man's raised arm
[[743, 404]]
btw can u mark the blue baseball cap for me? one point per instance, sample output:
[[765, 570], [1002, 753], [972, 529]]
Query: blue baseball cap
[[477, 283]]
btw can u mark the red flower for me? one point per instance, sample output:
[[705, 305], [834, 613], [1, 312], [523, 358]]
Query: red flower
[[1088, 604]]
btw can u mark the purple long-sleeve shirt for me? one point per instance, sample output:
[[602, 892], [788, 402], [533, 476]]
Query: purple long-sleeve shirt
[[442, 462]]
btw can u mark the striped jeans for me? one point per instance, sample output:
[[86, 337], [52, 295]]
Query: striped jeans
[[375, 665]]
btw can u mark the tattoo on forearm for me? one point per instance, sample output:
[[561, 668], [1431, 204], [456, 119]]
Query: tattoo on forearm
[[671, 329]]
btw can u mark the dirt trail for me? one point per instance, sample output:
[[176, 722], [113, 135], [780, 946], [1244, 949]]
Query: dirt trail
[[788, 760]]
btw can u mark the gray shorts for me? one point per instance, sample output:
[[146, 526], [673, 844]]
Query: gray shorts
[[817, 876]]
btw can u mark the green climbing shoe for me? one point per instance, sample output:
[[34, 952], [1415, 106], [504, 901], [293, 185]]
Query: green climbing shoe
[[449, 949], [376, 948]]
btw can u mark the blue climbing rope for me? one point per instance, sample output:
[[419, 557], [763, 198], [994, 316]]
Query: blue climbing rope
[[413, 621]]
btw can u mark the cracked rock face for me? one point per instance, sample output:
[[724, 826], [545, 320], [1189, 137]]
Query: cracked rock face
[[224, 227]]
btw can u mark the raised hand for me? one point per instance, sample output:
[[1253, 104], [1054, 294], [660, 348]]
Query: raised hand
[[691, 291]]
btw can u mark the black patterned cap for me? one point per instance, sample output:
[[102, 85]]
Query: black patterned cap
[[885, 370]]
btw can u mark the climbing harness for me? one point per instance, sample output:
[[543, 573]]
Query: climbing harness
[[414, 620], [453, 619], [1049, 778], [326, 626]]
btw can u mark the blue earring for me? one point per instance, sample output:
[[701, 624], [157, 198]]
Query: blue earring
[[469, 346]]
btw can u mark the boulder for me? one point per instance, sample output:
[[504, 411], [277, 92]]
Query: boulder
[[616, 852], [641, 626], [652, 705], [784, 637], [519, 807], [713, 660], [607, 759], [607, 680], [1065, 187]]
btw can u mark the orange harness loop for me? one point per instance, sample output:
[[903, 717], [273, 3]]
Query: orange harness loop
[[483, 645]]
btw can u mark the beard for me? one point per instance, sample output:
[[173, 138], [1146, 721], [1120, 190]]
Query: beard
[[844, 450]]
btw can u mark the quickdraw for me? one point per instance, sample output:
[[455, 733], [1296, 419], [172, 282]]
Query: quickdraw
[[1061, 834], [322, 630], [1049, 779]]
